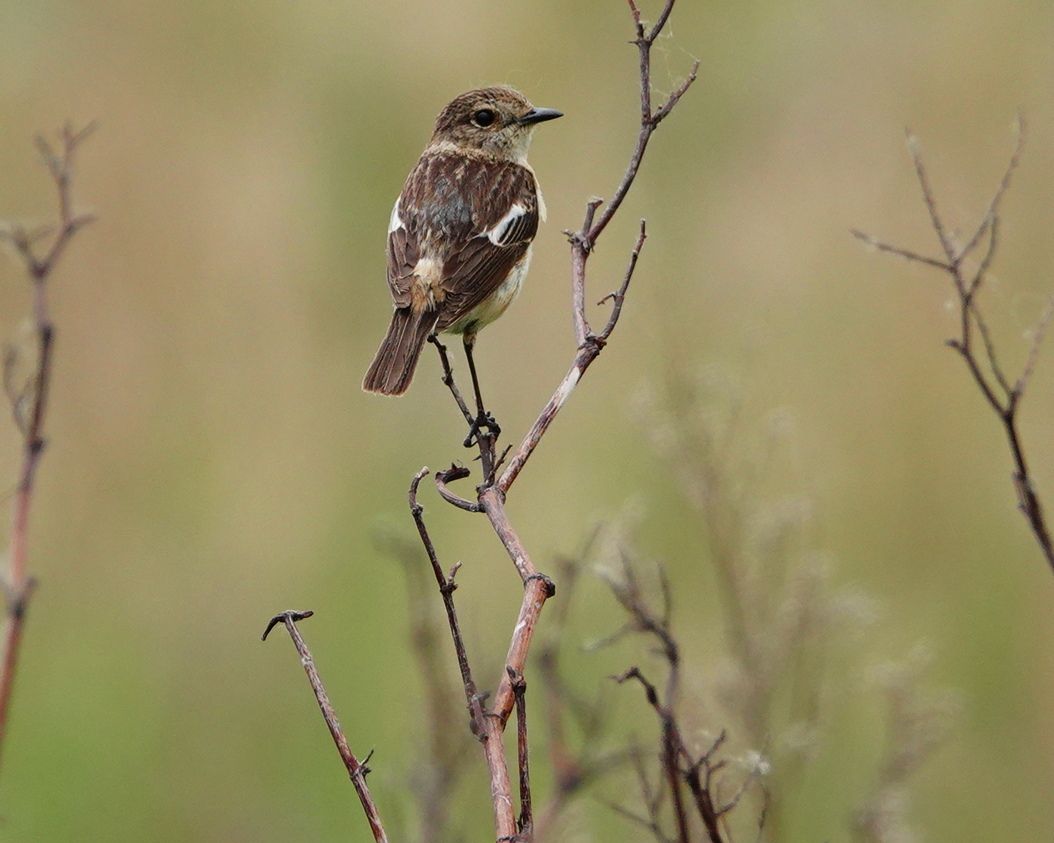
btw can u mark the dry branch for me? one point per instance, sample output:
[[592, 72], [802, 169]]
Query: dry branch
[[680, 769], [985, 367], [357, 770], [484, 726], [492, 491], [29, 401]]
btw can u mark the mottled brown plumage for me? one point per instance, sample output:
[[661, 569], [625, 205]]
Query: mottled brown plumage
[[460, 234]]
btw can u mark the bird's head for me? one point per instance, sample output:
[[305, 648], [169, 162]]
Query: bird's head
[[498, 121]]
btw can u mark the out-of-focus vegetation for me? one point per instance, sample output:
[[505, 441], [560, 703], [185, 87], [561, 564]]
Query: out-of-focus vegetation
[[212, 460]]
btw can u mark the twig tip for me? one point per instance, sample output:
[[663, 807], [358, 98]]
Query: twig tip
[[288, 616]]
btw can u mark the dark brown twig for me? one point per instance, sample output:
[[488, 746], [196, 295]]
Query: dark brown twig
[[671, 748], [356, 770], [526, 820], [987, 372], [447, 586], [652, 798], [486, 727], [435, 778], [679, 767], [29, 402]]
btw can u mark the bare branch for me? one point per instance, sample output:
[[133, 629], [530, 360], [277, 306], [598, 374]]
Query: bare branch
[[356, 770], [491, 493], [929, 199], [970, 316], [585, 239], [486, 727], [914, 257], [447, 585], [29, 403], [993, 207], [1038, 334]]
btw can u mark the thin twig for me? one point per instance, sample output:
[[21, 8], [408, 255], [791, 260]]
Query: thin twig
[[434, 780], [29, 404], [583, 242], [573, 768], [526, 820], [356, 770], [679, 767], [671, 746], [987, 372], [487, 728], [447, 586]]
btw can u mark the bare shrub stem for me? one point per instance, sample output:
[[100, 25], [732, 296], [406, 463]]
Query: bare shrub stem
[[491, 493], [357, 770], [29, 399], [986, 370]]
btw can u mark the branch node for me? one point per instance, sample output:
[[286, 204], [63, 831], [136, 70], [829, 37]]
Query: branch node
[[550, 586]]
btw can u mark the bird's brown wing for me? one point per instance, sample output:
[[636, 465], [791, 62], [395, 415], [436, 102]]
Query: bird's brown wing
[[506, 225], [403, 254], [476, 217]]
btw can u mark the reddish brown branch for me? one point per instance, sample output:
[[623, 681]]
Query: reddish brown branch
[[537, 588], [585, 239], [588, 351], [490, 494], [356, 770], [985, 369], [34, 395]]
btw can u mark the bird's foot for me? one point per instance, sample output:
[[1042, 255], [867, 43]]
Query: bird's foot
[[484, 421]]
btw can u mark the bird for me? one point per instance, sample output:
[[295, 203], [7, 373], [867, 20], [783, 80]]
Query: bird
[[460, 233]]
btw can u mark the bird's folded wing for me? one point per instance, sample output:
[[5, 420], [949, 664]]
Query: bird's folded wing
[[474, 217], [475, 270], [403, 254]]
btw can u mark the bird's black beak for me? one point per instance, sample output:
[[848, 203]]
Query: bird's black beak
[[539, 115]]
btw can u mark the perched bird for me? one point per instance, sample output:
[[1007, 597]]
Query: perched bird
[[459, 239]]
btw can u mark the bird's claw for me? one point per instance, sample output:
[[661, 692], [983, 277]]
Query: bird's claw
[[483, 421]]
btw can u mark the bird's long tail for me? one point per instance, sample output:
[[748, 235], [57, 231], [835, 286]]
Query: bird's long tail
[[393, 366]]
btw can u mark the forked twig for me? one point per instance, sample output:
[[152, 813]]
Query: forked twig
[[491, 493], [485, 727], [29, 401], [985, 369]]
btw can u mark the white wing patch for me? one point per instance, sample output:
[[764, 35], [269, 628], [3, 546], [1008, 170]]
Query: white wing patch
[[395, 222], [497, 234]]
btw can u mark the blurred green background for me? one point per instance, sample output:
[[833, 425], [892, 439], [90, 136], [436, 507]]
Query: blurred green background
[[212, 459]]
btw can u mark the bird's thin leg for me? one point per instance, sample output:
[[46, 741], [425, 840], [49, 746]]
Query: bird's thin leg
[[448, 377], [484, 420]]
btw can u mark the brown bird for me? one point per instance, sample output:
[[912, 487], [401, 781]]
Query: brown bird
[[459, 239]]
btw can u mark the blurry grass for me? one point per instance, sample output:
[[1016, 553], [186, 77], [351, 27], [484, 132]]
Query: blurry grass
[[213, 460]]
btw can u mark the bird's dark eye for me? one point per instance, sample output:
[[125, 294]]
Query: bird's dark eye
[[483, 118]]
